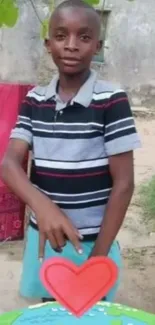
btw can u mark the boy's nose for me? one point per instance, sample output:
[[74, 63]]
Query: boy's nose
[[71, 44]]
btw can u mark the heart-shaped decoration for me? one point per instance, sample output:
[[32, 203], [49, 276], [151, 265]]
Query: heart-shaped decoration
[[78, 288]]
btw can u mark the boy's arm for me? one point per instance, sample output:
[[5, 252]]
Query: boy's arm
[[11, 170], [14, 176], [120, 140], [52, 222], [12, 173]]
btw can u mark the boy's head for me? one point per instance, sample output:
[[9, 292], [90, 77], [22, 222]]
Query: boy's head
[[74, 32]]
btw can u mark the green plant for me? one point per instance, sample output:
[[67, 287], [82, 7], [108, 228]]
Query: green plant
[[92, 2], [8, 13], [147, 200]]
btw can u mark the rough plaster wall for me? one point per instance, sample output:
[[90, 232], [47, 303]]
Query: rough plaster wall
[[21, 46], [129, 60]]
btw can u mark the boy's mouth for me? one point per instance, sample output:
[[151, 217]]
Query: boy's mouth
[[69, 61]]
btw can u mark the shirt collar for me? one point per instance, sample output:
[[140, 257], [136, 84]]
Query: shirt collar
[[84, 95]]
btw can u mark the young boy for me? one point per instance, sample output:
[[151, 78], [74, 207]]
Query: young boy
[[82, 135]]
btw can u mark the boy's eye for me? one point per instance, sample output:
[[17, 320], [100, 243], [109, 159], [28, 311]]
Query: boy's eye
[[60, 37], [85, 37]]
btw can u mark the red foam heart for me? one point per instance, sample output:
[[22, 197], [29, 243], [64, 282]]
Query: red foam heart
[[78, 288]]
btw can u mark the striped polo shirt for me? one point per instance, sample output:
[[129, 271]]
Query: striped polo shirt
[[71, 144]]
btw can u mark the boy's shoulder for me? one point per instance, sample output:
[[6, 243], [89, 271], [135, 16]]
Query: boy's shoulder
[[103, 86], [38, 93]]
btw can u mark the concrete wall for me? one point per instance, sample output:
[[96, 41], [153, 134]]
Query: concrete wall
[[20, 47], [129, 59]]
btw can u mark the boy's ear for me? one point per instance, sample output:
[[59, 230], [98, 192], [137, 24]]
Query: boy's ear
[[47, 45], [99, 46]]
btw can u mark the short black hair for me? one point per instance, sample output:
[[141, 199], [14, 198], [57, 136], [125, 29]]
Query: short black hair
[[78, 4], [75, 3]]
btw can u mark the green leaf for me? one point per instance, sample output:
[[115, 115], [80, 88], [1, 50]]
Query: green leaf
[[11, 17], [9, 13], [1, 18], [92, 2]]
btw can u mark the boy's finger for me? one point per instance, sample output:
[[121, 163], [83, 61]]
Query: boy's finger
[[42, 242], [60, 238], [53, 242], [76, 232], [74, 239]]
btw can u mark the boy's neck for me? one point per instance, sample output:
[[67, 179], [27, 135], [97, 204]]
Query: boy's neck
[[69, 85]]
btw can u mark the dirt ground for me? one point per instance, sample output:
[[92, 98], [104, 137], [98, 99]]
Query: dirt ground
[[136, 239]]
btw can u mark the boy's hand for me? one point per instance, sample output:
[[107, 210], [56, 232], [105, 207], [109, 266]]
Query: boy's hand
[[55, 226]]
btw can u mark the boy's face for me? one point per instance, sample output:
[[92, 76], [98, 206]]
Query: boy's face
[[74, 40]]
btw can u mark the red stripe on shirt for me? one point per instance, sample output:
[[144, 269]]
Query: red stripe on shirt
[[71, 175], [38, 105], [107, 105]]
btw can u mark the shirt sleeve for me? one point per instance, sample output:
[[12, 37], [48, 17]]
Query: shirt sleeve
[[120, 131], [23, 127]]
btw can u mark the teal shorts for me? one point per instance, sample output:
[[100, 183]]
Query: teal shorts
[[31, 287]]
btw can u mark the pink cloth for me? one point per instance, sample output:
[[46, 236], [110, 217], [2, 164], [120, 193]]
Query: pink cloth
[[11, 209]]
